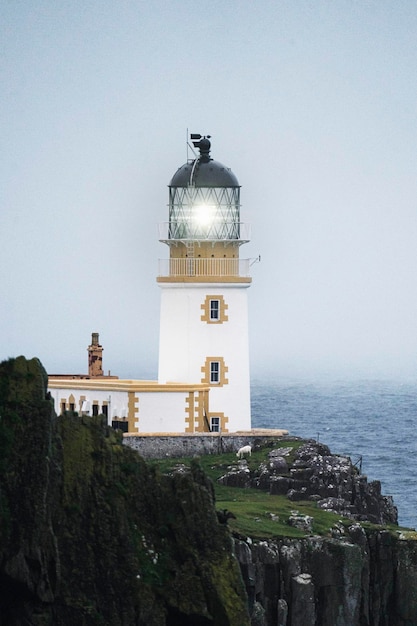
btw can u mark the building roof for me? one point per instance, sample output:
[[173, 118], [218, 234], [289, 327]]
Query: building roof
[[203, 171], [204, 174]]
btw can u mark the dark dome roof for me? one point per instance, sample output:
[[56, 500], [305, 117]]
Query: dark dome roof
[[207, 173]]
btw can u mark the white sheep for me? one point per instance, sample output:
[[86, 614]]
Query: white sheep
[[242, 451]]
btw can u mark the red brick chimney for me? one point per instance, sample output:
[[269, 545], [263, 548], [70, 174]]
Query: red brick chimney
[[95, 357]]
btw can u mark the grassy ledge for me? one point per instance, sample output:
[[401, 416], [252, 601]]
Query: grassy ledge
[[260, 515]]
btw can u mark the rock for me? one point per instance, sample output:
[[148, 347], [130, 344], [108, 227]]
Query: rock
[[338, 505], [318, 475], [237, 477], [297, 494], [262, 478], [279, 485], [302, 522], [280, 452], [365, 577], [282, 612], [405, 581], [258, 615], [223, 515], [302, 608], [90, 534], [278, 464]]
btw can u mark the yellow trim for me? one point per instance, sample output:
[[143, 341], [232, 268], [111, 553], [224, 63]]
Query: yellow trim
[[204, 279], [196, 406], [205, 307], [205, 369], [121, 385], [207, 250], [132, 412], [189, 413], [223, 421], [202, 406]]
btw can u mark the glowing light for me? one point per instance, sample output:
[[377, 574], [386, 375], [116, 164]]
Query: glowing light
[[204, 214]]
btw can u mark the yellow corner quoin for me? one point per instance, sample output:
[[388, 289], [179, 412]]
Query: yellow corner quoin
[[196, 412], [132, 412], [189, 413]]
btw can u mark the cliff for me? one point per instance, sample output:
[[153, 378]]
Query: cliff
[[90, 534], [361, 578], [361, 571]]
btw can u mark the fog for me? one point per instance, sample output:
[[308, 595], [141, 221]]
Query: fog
[[311, 104]]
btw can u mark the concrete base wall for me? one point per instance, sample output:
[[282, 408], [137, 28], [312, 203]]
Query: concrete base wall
[[159, 446]]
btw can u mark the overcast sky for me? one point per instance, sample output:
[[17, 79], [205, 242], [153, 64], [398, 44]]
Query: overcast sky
[[313, 105]]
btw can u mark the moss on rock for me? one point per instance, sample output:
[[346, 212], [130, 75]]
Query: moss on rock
[[90, 534]]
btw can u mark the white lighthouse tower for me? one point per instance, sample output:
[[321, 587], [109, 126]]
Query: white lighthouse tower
[[204, 283]]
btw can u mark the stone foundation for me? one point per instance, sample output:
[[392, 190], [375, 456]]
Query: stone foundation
[[161, 445]]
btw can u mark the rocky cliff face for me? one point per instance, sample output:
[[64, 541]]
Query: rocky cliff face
[[90, 534], [364, 574], [314, 474], [362, 578]]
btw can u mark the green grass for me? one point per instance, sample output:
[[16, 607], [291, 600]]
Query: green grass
[[215, 465], [253, 508]]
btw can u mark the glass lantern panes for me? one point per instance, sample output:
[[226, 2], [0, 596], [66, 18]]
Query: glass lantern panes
[[202, 213]]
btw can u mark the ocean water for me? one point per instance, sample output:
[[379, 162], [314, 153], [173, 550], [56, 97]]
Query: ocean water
[[374, 420]]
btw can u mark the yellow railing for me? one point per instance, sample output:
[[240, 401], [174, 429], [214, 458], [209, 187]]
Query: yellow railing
[[189, 267]]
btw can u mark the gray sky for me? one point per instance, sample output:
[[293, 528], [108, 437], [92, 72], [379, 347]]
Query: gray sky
[[312, 105]]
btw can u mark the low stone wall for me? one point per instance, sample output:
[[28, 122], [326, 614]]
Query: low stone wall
[[159, 445]]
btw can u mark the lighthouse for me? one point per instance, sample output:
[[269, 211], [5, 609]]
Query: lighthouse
[[203, 381], [204, 286]]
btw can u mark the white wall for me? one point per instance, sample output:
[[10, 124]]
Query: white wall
[[162, 412], [186, 342], [116, 400], [158, 411]]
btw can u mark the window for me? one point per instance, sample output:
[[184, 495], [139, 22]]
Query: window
[[95, 409], [214, 310], [104, 409], [63, 407], [72, 406], [214, 372], [215, 424]]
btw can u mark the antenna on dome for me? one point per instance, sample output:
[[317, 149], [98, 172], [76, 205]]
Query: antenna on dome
[[192, 136], [202, 143]]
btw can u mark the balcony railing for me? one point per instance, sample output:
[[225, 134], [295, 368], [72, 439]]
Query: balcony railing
[[204, 268], [216, 231]]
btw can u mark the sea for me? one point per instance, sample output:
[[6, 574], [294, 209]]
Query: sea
[[371, 421]]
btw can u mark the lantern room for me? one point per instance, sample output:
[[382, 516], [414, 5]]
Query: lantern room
[[204, 218]]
